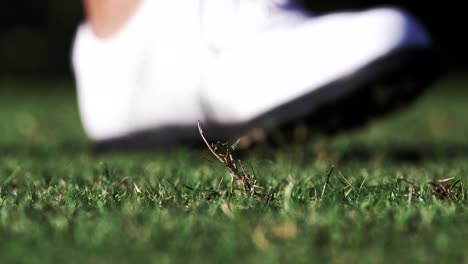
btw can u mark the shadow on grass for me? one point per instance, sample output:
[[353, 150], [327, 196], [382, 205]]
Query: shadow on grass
[[404, 153], [65, 148], [413, 154]]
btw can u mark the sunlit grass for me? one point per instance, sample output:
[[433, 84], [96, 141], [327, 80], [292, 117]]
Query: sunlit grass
[[61, 203]]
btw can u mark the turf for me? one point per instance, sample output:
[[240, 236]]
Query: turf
[[59, 202]]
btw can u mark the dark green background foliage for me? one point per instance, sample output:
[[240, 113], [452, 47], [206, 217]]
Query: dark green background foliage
[[35, 36]]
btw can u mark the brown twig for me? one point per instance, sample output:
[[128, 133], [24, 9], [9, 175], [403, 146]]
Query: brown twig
[[200, 130], [222, 152], [443, 190]]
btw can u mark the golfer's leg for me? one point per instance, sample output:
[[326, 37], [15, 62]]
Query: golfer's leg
[[106, 17]]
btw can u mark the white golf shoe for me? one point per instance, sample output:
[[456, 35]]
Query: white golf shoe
[[241, 65]]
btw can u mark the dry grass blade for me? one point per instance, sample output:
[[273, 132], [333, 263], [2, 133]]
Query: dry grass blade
[[443, 190], [223, 152]]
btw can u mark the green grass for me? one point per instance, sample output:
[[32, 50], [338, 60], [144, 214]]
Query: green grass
[[61, 203]]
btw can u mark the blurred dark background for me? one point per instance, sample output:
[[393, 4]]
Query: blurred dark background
[[36, 36]]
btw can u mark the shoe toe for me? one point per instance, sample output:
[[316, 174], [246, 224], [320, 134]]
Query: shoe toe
[[285, 64], [393, 28]]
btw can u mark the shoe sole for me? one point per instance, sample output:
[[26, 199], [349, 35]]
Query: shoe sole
[[382, 87], [387, 84]]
